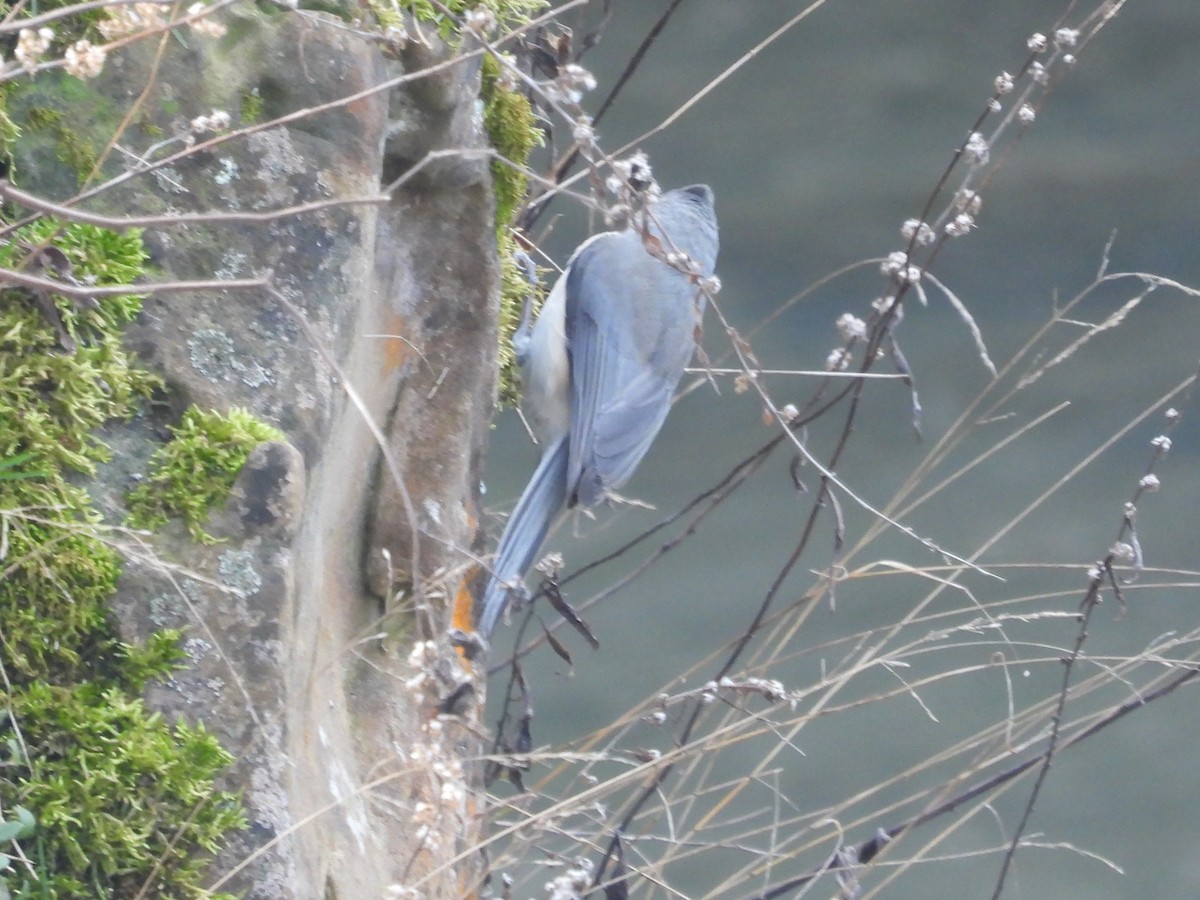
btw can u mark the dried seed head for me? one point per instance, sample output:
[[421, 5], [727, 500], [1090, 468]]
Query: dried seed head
[[918, 230], [895, 262], [977, 148], [1066, 37], [837, 360], [481, 20], [968, 201], [572, 82], [1121, 550], [84, 59], [217, 120], [884, 304], [851, 327], [583, 132], [32, 46], [960, 225]]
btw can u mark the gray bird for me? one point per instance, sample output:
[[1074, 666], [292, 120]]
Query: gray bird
[[600, 367]]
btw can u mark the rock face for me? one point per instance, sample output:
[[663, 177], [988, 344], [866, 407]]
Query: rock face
[[381, 316]]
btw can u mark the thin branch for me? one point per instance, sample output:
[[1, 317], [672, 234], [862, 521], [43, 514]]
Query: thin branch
[[35, 282], [64, 12], [120, 223], [536, 207], [810, 373], [1102, 573], [869, 849], [382, 87]]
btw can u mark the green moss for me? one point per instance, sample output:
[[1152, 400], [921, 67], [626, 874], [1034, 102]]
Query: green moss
[[9, 132], [512, 130], [194, 472], [66, 125], [73, 149], [124, 792], [390, 13], [116, 796], [51, 401], [252, 106], [149, 128], [55, 590], [40, 118]]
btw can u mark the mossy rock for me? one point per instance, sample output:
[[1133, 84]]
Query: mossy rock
[[118, 797], [194, 472]]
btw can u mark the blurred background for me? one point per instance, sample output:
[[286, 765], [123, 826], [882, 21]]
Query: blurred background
[[818, 149]]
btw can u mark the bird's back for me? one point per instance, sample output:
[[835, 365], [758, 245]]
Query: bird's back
[[631, 322]]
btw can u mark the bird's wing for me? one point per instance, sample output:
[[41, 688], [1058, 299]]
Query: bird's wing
[[619, 397]]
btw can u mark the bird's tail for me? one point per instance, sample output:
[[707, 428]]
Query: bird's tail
[[540, 503]]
